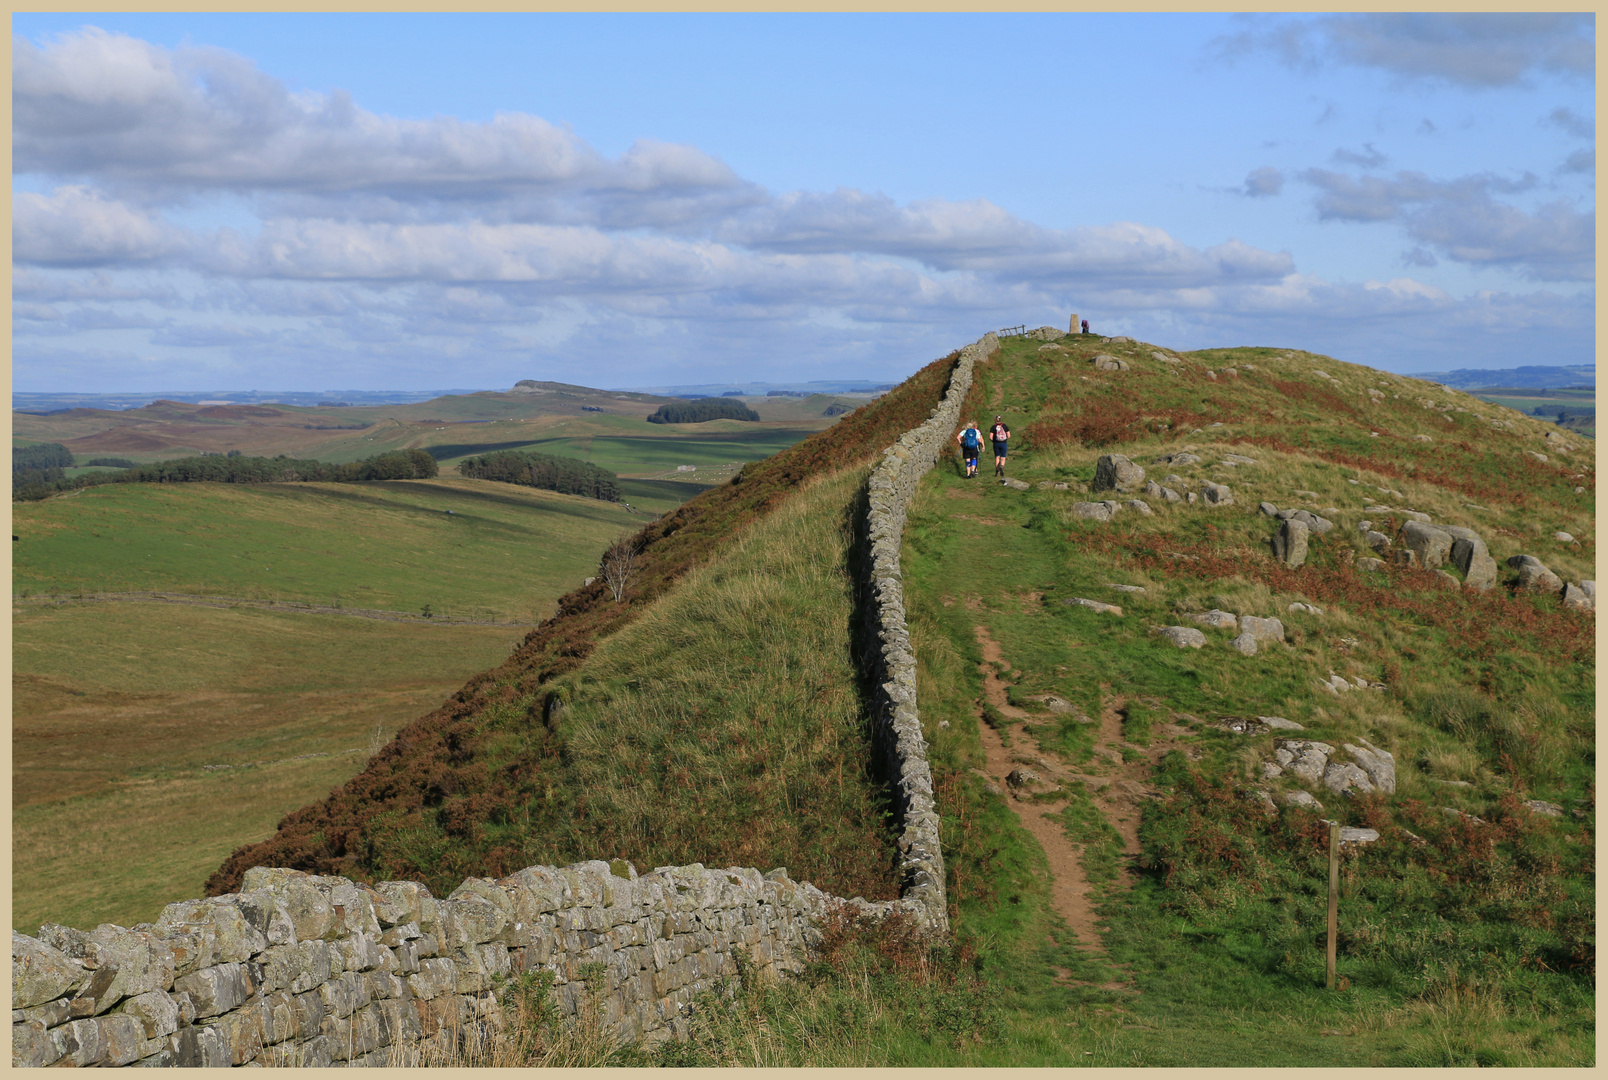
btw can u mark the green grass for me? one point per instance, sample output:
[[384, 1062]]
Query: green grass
[[758, 757], [504, 552], [118, 709]]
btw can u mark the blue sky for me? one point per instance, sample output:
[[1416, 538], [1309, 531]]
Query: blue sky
[[411, 201]]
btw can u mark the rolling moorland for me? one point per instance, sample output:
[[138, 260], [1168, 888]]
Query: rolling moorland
[[230, 651], [1141, 713]]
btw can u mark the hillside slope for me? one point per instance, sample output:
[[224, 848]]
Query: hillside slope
[[474, 785]]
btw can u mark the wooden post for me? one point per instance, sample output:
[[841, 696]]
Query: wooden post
[[1334, 895]]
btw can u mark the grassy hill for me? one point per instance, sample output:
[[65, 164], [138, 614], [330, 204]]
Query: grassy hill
[[1134, 876]]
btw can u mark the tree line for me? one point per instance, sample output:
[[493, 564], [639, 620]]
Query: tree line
[[232, 468], [696, 412], [568, 475]]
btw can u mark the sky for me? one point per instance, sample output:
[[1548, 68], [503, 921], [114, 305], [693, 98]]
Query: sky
[[393, 201]]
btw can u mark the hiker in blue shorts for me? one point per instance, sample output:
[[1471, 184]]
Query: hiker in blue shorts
[[1000, 434], [971, 444]]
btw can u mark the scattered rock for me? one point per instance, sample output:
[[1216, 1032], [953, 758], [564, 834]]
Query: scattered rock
[[1259, 795], [1139, 505], [1358, 836], [1107, 609], [1185, 637], [1563, 537], [1126, 588], [1107, 362], [1370, 564], [1301, 798], [1221, 620], [1021, 777], [1404, 557], [1432, 544], [1305, 758], [1245, 645], [1546, 808], [1018, 485], [1191, 497], [1113, 472], [1269, 509], [1164, 358], [1533, 574], [1310, 609], [1182, 457], [1416, 515], [1376, 540], [1538, 457], [1240, 725], [1423, 438], [1290, 543], [1262, 629], [1271, 771], [1575, 597], [1216, 494], [1238, 459], [1313, 522], [1280, 723]]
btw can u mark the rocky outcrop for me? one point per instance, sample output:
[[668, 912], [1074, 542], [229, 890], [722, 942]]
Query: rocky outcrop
[[1290, 543]]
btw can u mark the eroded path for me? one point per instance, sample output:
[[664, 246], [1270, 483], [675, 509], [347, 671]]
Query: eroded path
[[1116, 780]]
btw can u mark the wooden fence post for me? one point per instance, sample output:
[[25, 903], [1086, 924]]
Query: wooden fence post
[[1334, 896]]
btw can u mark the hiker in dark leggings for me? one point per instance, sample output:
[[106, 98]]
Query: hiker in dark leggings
[[971, 444], [1000, 434]]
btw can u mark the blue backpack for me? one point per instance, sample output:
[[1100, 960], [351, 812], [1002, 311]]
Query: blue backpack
[[970, 439]]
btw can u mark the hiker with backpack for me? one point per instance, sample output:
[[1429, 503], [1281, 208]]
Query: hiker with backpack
[[999, 434], [971, 444]]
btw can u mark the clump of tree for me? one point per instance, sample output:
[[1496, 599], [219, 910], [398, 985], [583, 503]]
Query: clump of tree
[[696, 412], [39, 465], [112, 462], [571, 476], [236, 468]]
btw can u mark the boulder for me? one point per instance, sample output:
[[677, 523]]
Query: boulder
[[1279, 723], [1262, 629], [1107, 362], [1301, 798], [1165, 358], [1404, 557], [1269, 509], [1575, 597], [1021, 777], [1113, 472], [1563, 537], [1182, 457], [1290, 543], [1376, 540], [1306, 758], [1313, 522], [1015, 484], [1221, 620], [1341, 777], [1245, 645], [1481, 572], [1546, 808], [1536, 456], [1216, 494], [1533, 574], [1185, 637], [1379, 764], [1310, 609], [1139, 505], [1096, 511], [1431, 544], [1358, 836], [1126, 588]]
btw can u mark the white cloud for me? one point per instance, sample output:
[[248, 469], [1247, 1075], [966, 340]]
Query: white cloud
[[76, 226]]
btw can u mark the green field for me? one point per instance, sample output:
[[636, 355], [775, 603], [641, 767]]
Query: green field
[[504, 552], [120, 705], [119, 708]]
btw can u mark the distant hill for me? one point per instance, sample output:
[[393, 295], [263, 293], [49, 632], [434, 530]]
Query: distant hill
[[1530, 377]]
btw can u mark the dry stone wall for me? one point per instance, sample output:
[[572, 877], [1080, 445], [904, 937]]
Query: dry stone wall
[[304, 970]]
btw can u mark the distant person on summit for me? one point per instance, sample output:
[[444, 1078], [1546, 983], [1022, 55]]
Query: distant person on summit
[[971, 444], [1000, 434], [1085, 326]]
